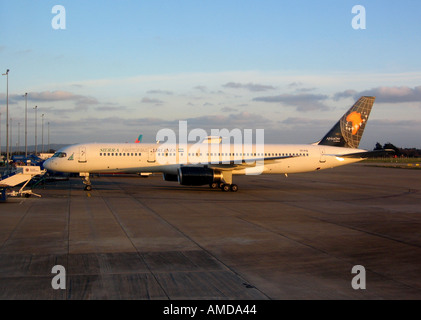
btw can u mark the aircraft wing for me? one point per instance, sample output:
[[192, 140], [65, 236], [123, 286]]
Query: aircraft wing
[[245, 163]]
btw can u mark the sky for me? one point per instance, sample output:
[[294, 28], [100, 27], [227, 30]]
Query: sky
[[107, 71]]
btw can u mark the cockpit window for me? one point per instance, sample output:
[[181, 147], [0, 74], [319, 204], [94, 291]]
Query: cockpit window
[[60, 155]]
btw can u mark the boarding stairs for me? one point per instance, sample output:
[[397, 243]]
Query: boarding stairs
[[21, 174]]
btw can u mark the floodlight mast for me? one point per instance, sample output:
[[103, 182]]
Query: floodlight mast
[[7, 116], [36, 150]]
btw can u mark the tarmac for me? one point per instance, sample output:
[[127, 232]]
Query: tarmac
[[276, 238]]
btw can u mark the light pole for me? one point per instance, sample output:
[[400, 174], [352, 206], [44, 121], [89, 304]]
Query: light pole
[[26, 125], [7, 117], [48, 126], [0, 136], [11, 137], [42, 133], [36, 107], [18, 152]]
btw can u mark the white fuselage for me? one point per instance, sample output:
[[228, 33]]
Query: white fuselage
[[138, 158]]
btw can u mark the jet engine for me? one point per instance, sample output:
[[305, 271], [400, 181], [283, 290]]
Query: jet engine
[[170, 177], [197, 176]]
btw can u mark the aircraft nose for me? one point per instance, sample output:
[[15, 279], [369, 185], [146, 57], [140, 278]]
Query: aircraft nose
[[48, 164]]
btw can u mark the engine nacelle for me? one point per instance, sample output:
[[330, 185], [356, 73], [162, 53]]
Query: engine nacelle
[[170, 177], [197, 176]]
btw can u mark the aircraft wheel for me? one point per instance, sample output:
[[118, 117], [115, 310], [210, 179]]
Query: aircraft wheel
[[226, 187], [234, 188], [88, 188], [214, 185]]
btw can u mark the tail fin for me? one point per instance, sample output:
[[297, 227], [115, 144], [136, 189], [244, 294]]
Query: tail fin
[[139, 139], [350, 128]]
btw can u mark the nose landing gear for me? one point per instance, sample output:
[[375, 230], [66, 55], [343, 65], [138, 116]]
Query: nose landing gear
[[86, 181]]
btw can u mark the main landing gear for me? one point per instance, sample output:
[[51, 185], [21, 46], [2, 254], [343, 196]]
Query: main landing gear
[[224, 182], [224, 186]]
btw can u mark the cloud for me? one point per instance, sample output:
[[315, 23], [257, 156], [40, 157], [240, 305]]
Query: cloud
[[201, 88], [60, 96], [146, 122], [207, 122], [394, 94], [295, 84], [230, 121], [166, 92], [52, 96], [23, 52], [64, 112], [307, 122], [127, 129], [228, 109], [149, 100], [248, 86], [111, 108], [385, 94], [303, 102], [344, 94], [405, 124], [306, 89]]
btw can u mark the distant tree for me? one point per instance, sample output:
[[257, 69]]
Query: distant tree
[[378, 146], [388, 145], [400, 152]]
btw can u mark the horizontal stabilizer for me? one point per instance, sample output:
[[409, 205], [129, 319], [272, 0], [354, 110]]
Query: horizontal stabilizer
[[367, 154]]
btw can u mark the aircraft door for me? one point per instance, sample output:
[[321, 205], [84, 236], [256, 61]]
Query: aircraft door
[[322, 156], [82, 154], [151, 155]]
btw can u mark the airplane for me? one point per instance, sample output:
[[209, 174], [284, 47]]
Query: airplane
[[337, 148]]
